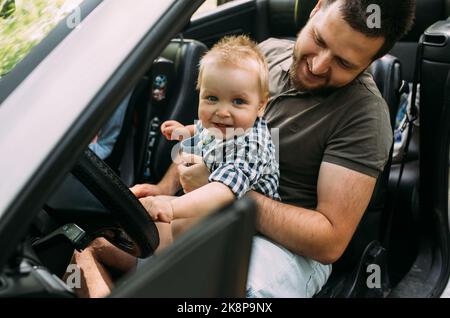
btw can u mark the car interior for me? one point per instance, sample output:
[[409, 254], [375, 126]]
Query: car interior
[[210, 261], [404, 230]]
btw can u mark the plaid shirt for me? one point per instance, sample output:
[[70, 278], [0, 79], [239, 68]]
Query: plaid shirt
[[243, 163]]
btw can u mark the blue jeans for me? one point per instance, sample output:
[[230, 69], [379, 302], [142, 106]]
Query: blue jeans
[[276, 272]]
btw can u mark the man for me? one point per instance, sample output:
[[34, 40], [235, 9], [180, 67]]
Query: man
[[335, 138]]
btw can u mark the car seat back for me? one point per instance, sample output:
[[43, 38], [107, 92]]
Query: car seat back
[[153, 153], [386, 72], [427, 13]]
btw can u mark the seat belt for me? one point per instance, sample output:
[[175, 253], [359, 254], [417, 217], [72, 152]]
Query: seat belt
[[412, 116]]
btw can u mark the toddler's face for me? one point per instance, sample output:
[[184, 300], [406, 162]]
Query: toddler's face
[[230, 98]]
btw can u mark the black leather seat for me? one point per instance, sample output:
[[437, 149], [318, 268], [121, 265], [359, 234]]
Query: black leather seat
[[282, 18], [427, 12], [179, 101], [387, 74], [404, 241], [350, 271], [179, 62]]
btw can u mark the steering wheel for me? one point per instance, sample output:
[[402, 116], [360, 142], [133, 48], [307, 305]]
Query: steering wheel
[[137, 234]]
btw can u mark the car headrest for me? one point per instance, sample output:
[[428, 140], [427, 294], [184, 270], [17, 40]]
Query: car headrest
[[387, 74], [427, 13], [287, 17]]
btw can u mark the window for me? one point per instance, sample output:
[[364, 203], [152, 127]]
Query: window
[[210, 5], [24, 23]]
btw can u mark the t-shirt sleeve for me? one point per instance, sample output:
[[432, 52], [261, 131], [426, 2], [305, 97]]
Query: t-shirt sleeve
[[362, 139], [266, 46], [272, 47]]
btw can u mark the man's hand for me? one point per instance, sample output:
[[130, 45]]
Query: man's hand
[[159, 209], [173, 130], [145, 190], [95, 139], [193, 172]]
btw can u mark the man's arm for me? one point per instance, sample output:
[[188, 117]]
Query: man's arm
[[324, 233]]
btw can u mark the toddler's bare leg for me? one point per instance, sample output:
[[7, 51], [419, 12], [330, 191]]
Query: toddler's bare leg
[[165, 235], [179, 226]]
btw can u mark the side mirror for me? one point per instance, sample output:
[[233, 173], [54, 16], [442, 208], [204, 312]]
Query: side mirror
[[7, 8]]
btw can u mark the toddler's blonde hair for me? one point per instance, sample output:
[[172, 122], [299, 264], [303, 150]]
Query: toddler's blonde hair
[[238, 51]]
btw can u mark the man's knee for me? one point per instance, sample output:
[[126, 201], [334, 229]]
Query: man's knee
[[288, 275], [94, 252]]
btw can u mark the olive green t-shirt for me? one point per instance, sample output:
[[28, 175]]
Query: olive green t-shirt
[[350, 127]]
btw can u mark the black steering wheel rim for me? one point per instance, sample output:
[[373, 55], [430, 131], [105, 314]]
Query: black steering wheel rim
[[142, 237]]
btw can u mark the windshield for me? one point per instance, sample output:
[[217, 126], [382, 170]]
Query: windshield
[[23, 24]]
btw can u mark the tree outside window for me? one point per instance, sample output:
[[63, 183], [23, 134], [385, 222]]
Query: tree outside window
[[24, 23]]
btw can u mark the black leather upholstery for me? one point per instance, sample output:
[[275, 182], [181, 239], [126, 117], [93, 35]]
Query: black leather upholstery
[[182, 104], [427, 12], [286, 17], [386, 72], [364, 248]]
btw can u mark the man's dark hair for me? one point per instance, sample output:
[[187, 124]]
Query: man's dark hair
[[397, 17]]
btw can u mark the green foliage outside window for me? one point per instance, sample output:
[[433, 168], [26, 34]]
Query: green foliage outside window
[[24, 23]]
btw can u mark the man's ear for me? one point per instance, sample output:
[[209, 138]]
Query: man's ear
[[316, 9]]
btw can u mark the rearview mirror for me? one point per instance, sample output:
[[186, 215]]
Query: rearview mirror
[[7, 8]]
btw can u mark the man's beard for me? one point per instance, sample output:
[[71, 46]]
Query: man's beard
[[297, 83]]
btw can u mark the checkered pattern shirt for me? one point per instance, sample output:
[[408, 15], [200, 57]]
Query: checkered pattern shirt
[[243, 163]]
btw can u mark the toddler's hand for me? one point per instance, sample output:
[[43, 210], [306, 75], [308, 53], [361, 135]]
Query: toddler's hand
[[158, 209], [173, 130], [145, 190]]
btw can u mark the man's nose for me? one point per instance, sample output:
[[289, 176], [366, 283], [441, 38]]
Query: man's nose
[[320, 64]]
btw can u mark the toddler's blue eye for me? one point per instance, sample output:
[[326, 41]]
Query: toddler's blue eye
[[239, 101], [212, 99]]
